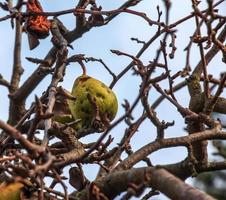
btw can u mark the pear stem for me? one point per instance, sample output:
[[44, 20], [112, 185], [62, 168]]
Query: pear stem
[[83, 68]]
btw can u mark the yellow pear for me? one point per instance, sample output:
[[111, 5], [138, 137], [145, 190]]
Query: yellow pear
[[92, 95], [11, 191]]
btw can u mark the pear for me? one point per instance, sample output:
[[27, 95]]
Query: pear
[[91, 96], [63, 119], [11, 191]]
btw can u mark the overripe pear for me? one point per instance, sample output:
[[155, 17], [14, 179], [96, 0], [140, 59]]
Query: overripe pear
[[90, 94]]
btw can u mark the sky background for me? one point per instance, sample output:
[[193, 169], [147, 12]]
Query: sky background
[[97, 43]]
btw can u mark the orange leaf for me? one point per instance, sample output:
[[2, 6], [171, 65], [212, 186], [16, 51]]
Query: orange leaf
[[37, 25]]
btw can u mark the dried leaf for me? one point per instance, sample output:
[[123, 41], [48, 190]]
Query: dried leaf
[[36, 25], [76, 178]]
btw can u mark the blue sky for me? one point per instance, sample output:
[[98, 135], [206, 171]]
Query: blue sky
[[97, 43]]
